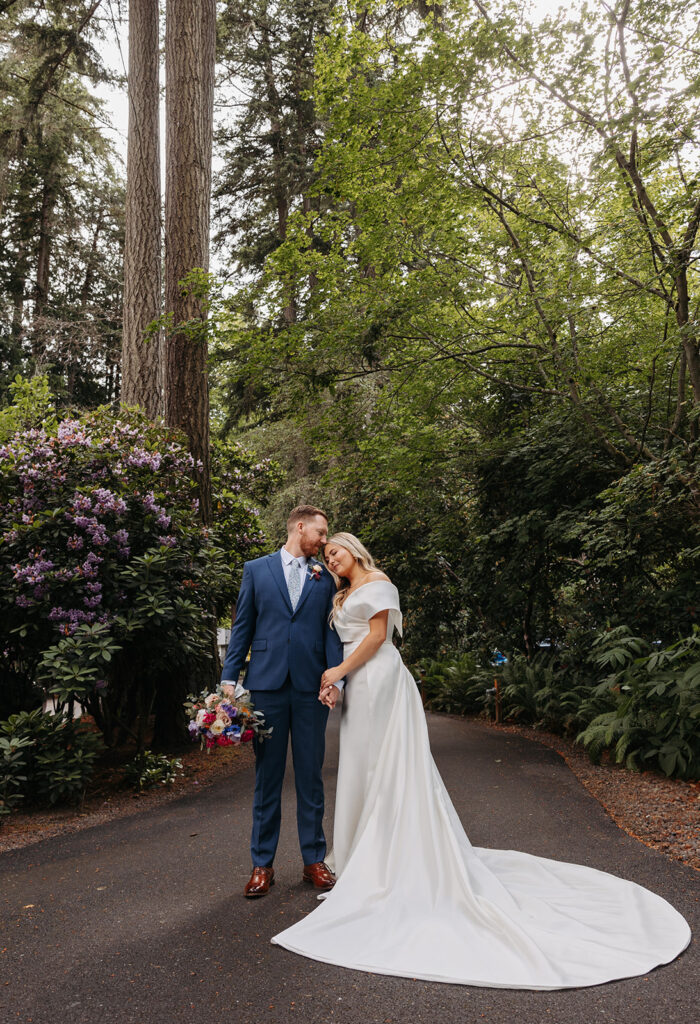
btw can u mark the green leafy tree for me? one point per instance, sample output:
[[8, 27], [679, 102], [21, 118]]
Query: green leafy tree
[[492, 290]]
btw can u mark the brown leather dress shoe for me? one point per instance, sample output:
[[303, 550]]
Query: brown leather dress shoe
[[260, 882], [319, 876]]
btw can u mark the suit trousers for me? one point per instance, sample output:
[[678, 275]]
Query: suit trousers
[[300, 715]]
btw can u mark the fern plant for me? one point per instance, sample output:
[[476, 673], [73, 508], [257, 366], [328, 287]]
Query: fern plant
[[655, 721]]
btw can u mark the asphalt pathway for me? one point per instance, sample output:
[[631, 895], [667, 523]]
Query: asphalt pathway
[[142, 919]]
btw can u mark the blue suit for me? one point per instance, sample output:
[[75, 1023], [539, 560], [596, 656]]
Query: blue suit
[[289, 651]]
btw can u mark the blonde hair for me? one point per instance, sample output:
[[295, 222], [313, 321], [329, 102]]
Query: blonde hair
[[360, 553]]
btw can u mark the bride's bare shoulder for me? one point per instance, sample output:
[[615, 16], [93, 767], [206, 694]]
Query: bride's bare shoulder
[[376, 575]]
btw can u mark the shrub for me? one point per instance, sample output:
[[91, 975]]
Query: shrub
[[148, 769], [13, 762], [548, 692], [655, 721], [457, 686], [58, 757], [111, 585]]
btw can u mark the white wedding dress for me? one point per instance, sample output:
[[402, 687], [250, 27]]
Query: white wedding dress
[[414, 898]]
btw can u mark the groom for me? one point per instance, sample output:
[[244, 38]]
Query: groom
[[282, 617]]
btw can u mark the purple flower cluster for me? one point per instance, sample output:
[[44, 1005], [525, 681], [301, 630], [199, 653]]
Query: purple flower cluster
[[105, 501], [79, 508], [142, 459], [90, 566], [68, 619], [150, 504], [33, 573], [73, 432]]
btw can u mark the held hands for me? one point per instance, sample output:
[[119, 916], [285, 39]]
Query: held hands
[[329, 691], [329, 696]]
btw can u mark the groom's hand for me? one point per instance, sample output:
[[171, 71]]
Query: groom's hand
[[228, 690], [329, 695]]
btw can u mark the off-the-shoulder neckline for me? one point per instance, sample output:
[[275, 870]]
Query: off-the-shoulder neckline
[[368, 584]]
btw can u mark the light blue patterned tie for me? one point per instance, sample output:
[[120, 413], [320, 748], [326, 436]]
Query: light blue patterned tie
[[294, 583]]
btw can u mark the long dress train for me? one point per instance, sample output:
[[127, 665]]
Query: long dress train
[[414, 898]]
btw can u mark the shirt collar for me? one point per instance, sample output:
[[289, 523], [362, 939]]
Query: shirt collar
[[288, 558]]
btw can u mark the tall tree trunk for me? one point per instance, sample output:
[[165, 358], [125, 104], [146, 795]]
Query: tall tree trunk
[[141, 359], [43, 263], [17, 289], [190, 50], [277, 144], [88, 280]]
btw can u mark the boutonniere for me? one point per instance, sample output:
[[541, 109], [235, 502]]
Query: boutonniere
[[315, 571]]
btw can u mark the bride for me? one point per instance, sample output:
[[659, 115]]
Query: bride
[[413, 897]]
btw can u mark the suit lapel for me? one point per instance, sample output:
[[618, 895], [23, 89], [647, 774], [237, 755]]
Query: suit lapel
[[274, 563]]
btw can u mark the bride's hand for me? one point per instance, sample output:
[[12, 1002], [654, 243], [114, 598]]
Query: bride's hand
[[330, 677]]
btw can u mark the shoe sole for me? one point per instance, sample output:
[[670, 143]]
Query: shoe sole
[[323, 888]]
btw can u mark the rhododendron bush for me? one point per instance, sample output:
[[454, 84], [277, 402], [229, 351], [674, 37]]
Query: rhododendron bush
[[111, 586]]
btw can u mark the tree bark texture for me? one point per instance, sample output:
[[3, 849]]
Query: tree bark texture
[[43, 263], [190, 50], [142, 359]]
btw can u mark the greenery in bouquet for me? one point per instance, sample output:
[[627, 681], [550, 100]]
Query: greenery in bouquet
[[220, 721]]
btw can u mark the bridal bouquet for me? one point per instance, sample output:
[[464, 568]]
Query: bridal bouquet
[[218, 721]]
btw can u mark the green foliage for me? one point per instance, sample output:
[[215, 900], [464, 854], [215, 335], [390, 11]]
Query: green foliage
[[458, 686], [530, 485], [31, 405], [61, 202], [655, 692], [641, 548], [12, 767], [74, 667], [484, 367], [268, 144], [646, 711], [57, 758], [148, 770], [548, 692], [111, 585]]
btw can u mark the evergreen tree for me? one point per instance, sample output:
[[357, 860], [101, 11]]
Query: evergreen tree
[[61, 203]]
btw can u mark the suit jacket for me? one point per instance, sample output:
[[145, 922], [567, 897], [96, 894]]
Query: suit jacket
[[299, 643]]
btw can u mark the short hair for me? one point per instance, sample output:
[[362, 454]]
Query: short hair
[[303, 512]]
